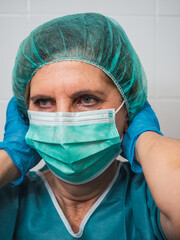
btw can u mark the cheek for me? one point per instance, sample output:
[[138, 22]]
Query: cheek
[[121, 123]]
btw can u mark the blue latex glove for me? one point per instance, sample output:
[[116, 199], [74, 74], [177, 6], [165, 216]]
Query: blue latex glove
[[14, 143], [144, 121]]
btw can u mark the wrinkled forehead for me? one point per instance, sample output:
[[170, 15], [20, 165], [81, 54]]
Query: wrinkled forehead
[[86, 68], [72, 74]]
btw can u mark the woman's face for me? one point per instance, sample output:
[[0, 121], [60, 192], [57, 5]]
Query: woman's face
[[71, 86]]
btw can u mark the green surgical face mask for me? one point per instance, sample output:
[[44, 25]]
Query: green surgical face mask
[[76, 146]]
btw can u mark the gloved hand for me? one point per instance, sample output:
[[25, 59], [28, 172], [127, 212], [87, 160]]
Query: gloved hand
[[14, 143], [144, 121]]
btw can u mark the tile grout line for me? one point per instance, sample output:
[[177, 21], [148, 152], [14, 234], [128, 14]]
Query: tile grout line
[[156, 50]]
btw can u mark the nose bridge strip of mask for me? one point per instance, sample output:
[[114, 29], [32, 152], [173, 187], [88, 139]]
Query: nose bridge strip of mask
[[67, 118]]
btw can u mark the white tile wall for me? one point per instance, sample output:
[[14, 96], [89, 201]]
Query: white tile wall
[[169, 116], [141, 32], [169, 7], [13, 6], [168, 57], [153, 26], [13, 31], [3, 106], [114, 7]]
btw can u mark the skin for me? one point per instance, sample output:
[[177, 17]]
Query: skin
[[72, 86], [159, 156]]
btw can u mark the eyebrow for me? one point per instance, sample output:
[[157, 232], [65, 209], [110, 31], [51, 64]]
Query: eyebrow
[[39, 96], [74, 95]]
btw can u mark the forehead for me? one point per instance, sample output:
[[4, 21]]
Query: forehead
[[72, 73]]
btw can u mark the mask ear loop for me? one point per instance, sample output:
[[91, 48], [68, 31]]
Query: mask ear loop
[[117, 112], [120, 107]]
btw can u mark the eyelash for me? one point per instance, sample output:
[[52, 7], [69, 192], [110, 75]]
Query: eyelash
[[88, 96], [38, 102]]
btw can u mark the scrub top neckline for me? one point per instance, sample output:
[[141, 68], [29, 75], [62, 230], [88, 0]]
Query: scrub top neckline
[[88, 214]]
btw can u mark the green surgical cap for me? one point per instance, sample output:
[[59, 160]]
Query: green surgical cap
[[87, 37]]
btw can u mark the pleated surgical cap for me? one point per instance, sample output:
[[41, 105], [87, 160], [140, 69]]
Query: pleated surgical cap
[[87, 37]]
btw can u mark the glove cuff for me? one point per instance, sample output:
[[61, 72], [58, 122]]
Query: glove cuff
[[135, 166]]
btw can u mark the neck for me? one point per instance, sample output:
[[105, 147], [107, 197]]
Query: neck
[[82, 192], [76, 200]]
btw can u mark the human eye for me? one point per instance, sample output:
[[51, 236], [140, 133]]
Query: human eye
[[43, 102], [87, 101]]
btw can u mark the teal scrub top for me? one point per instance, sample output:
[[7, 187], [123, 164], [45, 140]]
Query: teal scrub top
[[125, 211]]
